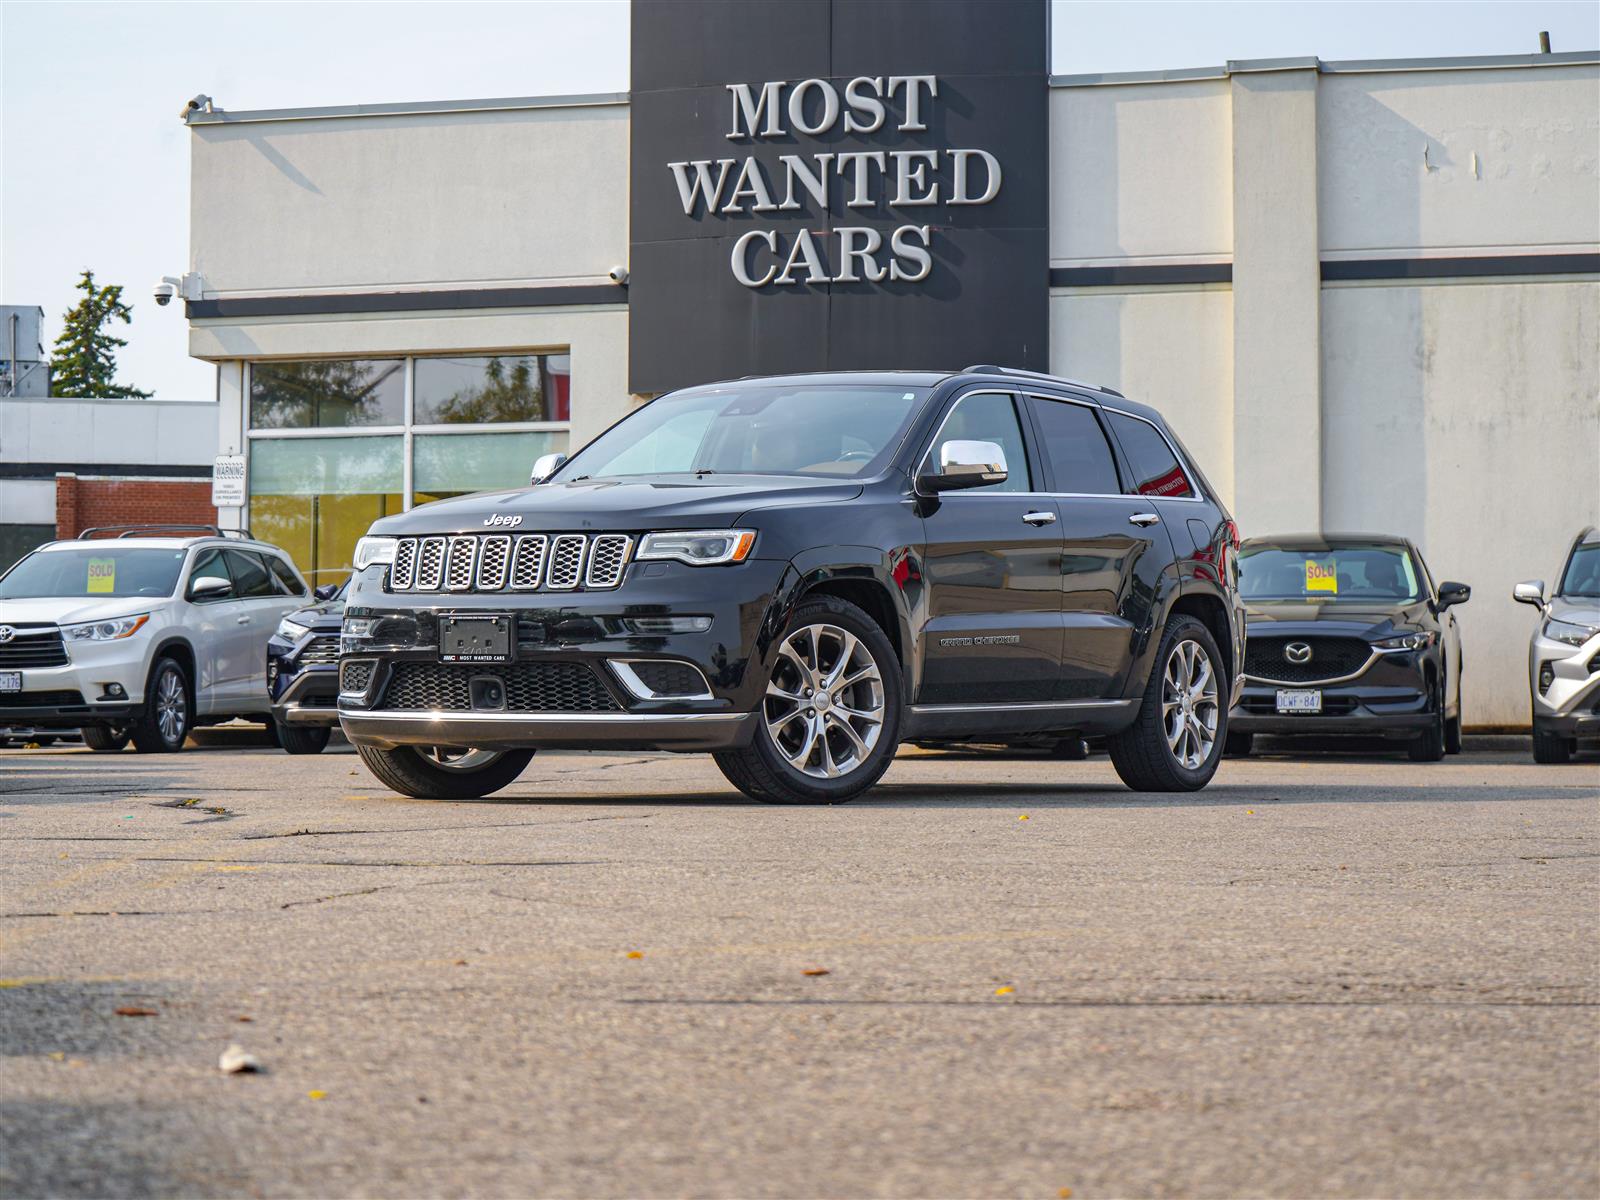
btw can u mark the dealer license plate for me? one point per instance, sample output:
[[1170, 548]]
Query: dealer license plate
[[10, 681], [1299, 700], [475, 639]]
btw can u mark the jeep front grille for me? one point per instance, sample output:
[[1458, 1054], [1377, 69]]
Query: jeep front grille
[[528, 562], [529, 687]]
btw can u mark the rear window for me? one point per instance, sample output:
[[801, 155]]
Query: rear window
[[1156, 471], [111, 570]]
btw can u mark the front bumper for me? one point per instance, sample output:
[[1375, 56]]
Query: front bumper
[[1389, 698], [1573, 697], [77, 693], [577, 636]]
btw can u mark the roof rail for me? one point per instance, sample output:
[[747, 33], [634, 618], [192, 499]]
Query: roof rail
[[991, 369], [126, 531]]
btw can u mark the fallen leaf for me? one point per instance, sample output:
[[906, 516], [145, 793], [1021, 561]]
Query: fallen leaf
[[244, 1020], [1004, 991], [61, 856], [1064, 1194], [131, 1011], [236, 1060], [1249, 812], [1023, 817], [461, 962], [635, 954], [815, 971], [58, 1056], [315, 1095]]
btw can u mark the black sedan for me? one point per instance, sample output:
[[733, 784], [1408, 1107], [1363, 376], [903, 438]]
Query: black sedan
[[1348, 635]]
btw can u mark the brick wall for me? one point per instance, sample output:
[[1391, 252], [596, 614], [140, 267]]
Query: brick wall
[[83, 503]]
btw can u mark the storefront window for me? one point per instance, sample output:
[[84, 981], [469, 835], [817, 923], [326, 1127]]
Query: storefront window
[[488, 389], [315, 496], [452, 464], [327, 393]]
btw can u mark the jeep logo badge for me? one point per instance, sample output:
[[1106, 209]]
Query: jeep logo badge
[[1297, 652], [497, 519], [6, 634]]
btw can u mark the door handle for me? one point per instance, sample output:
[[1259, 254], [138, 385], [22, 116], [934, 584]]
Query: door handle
[[245, 620], [1039, 518], [1144, 519]]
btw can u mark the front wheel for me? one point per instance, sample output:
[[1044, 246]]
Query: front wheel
[[445, 772], [830, 717], [300, 739], [1431, 743], [1175, 743], [168, 715], [1550, 747], [104, 738]]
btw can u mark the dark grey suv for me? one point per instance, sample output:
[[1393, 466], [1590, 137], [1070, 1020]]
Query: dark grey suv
[[797, 574]]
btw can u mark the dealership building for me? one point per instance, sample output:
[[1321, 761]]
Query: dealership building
[[1366, 294]]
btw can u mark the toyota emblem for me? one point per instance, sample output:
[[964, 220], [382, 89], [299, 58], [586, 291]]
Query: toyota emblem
[[1298, 652], [6, 634]]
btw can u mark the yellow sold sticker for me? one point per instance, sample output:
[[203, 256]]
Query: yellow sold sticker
[[102, 575], [1322, 577]]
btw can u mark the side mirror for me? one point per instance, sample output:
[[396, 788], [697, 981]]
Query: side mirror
[[967, 465], [210, 588], [326, 592], [1453, 593], [1531, 592], [545, 466]]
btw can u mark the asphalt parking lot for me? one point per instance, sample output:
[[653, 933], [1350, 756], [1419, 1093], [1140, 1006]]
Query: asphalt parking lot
[[1343, 975]]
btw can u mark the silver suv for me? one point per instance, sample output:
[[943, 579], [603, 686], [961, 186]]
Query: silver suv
[[1564, 654], [138, 633]]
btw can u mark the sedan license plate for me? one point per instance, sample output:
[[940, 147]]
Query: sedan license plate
[[475, 639], [1299, 700], [10, 681]]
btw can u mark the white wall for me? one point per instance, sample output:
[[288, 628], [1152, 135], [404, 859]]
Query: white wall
[[506, 198], [1466, 416], [135, 432]]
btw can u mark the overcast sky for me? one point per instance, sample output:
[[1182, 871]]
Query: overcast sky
[[95, 161]]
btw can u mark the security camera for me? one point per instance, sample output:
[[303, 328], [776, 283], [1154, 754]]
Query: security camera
[[196, 104], [164, 292], [619, 276]]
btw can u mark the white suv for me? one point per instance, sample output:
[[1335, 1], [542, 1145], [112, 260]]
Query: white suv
[[1564, 653], [139, 636]]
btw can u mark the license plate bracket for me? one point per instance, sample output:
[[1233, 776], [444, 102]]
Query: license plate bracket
[[10, 681], [475, 638], [1299, 700]]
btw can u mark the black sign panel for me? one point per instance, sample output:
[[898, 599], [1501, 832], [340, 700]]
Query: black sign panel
[[836, 185]]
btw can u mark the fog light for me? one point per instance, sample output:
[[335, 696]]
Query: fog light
[[1547, 676], [114, 692], [655, 626]]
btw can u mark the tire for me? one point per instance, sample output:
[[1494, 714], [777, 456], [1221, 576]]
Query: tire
[[1550, 747], [104, 738], [168, 710], [1429, 746], [1452, 735], [804, 752], [442, 773], [1238, 745], [301, 739], [1144, 753]]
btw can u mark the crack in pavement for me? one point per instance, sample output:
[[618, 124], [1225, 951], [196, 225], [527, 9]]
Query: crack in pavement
[[351, 862]]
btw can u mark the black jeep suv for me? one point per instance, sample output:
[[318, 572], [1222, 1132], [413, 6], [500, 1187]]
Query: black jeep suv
[[799, 573]]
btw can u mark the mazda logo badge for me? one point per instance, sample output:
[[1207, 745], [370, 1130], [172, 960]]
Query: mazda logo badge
[[6, 634], [1298, 652]]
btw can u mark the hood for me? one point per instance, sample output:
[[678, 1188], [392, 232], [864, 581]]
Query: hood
[[325, 617], [1578, 610], [639, 504], [1357, 620], [68, 610]]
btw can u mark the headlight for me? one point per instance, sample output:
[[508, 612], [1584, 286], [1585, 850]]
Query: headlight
[[292, 631], [1569, 632], [373, 550], [699, 547], [1407, 641], [104, 631]]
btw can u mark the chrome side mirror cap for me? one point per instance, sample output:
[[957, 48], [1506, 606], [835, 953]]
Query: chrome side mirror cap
[[1529, 592], [545, 466], [967, 465], [210, 588]]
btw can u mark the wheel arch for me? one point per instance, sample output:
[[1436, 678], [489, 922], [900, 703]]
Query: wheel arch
[[179, 649], [1210, 611]]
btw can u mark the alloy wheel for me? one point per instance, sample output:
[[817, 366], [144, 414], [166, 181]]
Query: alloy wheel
[[456, 758], [824, 706], [1189, 709], [172, 707]]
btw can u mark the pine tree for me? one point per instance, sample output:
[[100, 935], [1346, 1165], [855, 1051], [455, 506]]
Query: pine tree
[[84, 361]]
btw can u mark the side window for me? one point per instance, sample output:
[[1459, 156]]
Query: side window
[[289, 585], [1076, 448], [250, 575], [1155, 468], [990, 417], [210, 566]]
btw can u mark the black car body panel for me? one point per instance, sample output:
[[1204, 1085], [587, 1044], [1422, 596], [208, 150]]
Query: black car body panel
[[1001, 624], [303, 672], [1365, 690]]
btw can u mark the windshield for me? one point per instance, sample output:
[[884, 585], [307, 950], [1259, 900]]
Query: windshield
[[1323, 574], [813, 429], [111, 570], [1582, 580]]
